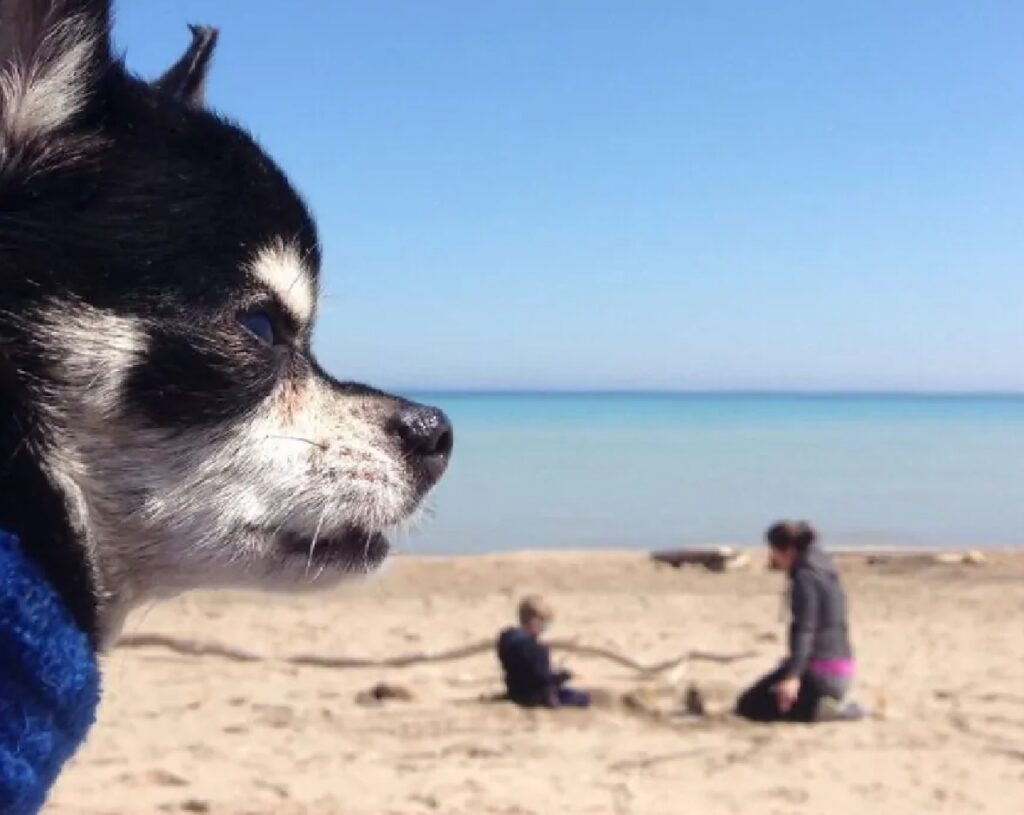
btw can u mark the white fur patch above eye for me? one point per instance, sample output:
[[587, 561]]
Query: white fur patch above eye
[[41, 92], [281, 269]]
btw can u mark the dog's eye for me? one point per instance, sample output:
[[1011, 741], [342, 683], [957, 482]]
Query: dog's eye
[[259, 324]]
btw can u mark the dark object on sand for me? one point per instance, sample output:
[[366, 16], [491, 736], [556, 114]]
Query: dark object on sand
[[714, 559], [693, 702], [382, 692]]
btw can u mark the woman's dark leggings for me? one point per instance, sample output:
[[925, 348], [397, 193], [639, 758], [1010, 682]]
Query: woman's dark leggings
[[759, 704]]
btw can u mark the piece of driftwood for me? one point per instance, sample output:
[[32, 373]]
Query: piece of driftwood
[[714, 558], [927, 558], [190, 647], [485, 646]]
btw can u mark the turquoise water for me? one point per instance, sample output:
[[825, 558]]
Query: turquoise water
[[653, 470]]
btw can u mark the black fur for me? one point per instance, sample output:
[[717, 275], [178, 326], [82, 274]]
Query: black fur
[[184, 383], [141, 204], [157, 213], [32, 508], [187, 77], [25, 24]]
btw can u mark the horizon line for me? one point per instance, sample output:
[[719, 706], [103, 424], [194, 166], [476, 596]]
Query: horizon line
[[739, 392]]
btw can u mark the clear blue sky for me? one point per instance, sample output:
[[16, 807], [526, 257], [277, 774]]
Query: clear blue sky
[[650, 195]]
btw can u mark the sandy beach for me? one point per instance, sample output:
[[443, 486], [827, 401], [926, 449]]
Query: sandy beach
[[261, 728]]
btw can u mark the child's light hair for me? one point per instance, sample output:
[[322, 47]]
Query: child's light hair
[[534, 607]]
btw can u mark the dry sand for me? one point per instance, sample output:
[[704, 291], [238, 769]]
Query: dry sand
[[941, 649]]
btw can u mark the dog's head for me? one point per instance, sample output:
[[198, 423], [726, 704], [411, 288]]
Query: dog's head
[[159, 288]]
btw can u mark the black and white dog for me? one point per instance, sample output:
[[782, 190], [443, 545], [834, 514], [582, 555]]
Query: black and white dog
[[163, 423]]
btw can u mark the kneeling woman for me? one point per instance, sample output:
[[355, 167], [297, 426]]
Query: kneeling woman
[[813, 680]]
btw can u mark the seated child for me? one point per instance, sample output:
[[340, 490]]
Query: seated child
[[526, 663]]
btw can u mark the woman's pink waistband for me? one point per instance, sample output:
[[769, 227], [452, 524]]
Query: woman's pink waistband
[[833, 667]]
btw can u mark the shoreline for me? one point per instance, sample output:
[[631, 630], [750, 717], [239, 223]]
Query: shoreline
[[851, 552]]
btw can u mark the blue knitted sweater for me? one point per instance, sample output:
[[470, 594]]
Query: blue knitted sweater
[[49, 683]]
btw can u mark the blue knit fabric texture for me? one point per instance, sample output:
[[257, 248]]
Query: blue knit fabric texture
[[49, 683]]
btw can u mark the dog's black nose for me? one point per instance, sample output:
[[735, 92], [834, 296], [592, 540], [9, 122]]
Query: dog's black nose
[[426, 437]]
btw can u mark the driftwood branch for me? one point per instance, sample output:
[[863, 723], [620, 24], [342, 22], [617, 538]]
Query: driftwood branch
[[715, 558], [188, 647]]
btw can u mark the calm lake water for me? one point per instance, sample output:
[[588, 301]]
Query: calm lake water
[[654, 470]]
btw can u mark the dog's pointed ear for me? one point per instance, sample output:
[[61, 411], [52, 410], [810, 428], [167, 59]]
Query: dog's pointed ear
[[186, 79], [52, 54]]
